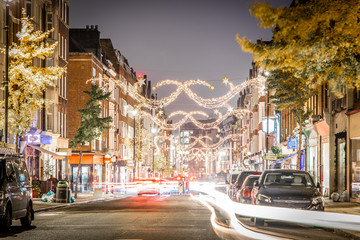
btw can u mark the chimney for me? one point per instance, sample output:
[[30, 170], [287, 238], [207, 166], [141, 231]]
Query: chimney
[[87, 27], [92, 27], [96, 27]]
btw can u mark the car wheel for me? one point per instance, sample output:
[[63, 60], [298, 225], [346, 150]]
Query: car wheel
[[259, 221], [26, 221], [7, 221]]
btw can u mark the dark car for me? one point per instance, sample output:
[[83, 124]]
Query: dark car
[[287, 188], [244, 194], [231, 179], [239, 181], [15, 192]]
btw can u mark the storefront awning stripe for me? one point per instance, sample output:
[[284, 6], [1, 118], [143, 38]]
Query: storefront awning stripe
[[284, 158], [55, 156]]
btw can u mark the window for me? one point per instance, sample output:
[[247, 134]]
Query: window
[[65, 134], [123, 89], [28, 8], [59, 46], [49, 20], [65, 48]]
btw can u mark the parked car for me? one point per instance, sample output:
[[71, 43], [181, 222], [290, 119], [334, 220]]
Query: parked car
[[15, 192], [287, 188], [231, 179], [239, 181], [244, 194]]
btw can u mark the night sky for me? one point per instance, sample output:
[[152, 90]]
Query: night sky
[[177, 39]]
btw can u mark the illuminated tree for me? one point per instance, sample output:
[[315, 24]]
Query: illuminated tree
[[317, 40], [26, 81], [291, 93], [92, 125]]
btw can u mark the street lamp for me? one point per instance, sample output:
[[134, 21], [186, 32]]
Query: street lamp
[[6, 83]]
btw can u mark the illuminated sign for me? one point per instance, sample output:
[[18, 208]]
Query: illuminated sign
[[33, 138]]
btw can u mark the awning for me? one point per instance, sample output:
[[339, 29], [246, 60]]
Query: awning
[[284, 158], [53, 154]]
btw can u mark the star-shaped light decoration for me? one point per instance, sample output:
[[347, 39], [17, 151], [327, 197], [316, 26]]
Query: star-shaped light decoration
[[161, 112], [225, 80], [141, 81], [230, 109], [153, 88], [212, 87], [217, 112]]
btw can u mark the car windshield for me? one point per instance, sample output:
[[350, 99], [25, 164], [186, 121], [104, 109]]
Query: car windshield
[[243, 175], [250, 181], [288, 179], [233, 178]]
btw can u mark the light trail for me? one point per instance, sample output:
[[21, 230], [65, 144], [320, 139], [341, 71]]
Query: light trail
[[306, 217]]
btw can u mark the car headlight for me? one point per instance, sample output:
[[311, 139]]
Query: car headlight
[[317, 200], [264, 198]]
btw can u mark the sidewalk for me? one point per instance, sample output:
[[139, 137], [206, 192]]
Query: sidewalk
[[345, 208], [82, 198]]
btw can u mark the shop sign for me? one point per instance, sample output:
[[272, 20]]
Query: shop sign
[[270, 156], [46, 139], [33, 138]]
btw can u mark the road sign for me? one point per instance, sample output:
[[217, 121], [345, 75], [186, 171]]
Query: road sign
[[265, 125], [270, 156]]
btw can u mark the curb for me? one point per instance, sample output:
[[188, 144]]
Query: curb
[[74, 203]]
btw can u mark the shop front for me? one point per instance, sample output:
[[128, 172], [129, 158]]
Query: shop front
[[313, 156], [354, 135], [91, 174], [322, 128]]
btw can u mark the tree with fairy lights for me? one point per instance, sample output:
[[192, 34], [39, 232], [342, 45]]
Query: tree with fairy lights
[[314, 43], [316, 40], [27, 82], [92, 125]]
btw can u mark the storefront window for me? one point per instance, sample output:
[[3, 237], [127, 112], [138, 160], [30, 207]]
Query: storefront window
[[355, 168]]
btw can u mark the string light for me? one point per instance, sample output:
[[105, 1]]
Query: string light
[[190, 116]]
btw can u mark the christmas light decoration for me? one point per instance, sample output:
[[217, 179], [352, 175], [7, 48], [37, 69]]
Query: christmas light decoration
[[225, 80], [190, 116]]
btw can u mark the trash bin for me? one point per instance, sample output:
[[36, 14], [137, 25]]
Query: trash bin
[[62, 192]]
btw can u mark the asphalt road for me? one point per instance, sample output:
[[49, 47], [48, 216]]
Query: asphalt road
[[146, 217]]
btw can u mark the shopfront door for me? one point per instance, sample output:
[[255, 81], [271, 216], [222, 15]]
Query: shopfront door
[[341, 166], [83, 184]]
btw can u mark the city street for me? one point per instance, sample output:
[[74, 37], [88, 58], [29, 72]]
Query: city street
[[147, 217]]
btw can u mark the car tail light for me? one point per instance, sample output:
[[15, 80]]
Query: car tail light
[[246, 193]]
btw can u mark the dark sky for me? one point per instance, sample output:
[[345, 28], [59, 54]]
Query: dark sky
[[176, 39]]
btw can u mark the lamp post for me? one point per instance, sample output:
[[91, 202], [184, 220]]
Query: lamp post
[[6, 82], [266, 73], [153, 131]]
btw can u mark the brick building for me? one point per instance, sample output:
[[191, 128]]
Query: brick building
[[46, 144]]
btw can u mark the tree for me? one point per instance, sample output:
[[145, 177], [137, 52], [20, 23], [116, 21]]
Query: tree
[[291, 93], [315, 39], [92, 125], [27, 82]]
